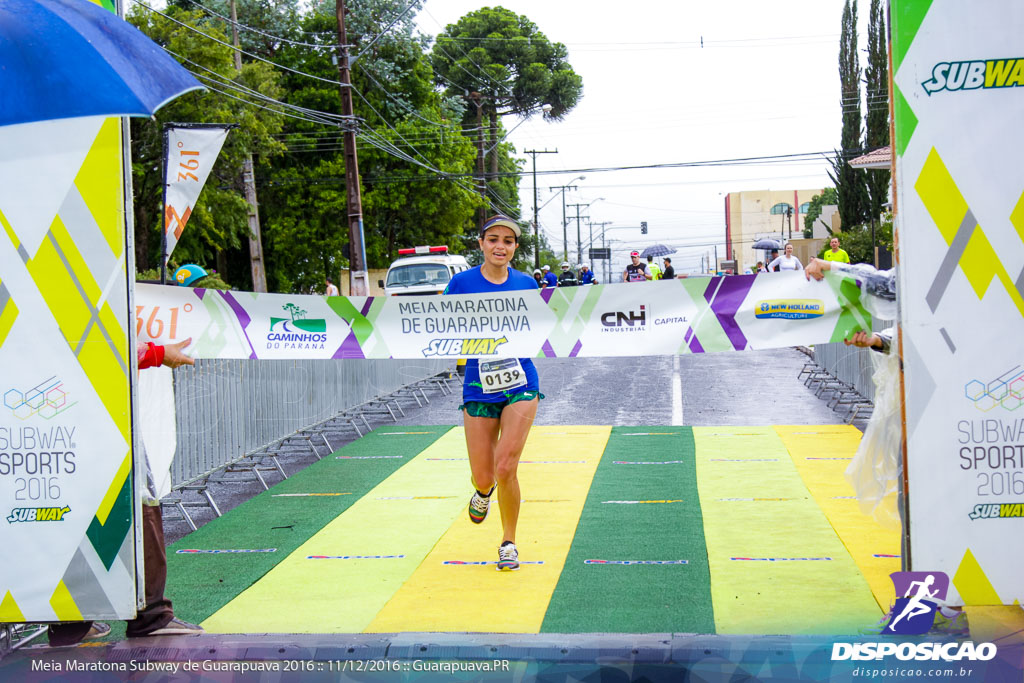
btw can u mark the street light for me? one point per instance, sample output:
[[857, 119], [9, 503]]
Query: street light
[[565, 222]]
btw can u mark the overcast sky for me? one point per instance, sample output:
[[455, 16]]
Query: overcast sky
[[670, 81]]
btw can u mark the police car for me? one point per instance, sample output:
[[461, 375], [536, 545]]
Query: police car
[[422, 270]]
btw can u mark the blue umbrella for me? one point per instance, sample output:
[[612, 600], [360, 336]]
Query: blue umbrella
[[657, 250], [68, 58], [766, 243]]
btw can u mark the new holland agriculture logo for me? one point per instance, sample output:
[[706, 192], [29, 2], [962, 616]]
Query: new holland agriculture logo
[[975, 75], [49, 514], [790, 309], [463, 347], [298, 331]]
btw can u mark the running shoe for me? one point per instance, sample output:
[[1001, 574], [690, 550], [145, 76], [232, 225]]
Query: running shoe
[[951, 626], [479, 505], [508, 557]]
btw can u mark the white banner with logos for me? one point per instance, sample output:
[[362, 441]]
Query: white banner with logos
[[695, 315], [959, 99]]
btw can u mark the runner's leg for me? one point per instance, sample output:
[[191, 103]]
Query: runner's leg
[[481, 440], [516, 420]]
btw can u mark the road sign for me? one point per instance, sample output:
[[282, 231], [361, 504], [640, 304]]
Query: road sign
[[600, 252]]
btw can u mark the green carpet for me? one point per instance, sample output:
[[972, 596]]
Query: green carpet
[[201, 583], [657, 518]]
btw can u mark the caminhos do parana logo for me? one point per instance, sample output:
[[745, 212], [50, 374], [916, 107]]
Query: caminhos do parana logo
[[975, 75], [790, 309], [298, 331]]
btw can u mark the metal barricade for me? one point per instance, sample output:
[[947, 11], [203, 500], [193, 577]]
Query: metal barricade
[[226, 409]]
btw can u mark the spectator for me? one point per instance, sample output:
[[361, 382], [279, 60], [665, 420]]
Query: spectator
[[550, 278], [768, 268], [587, 275], [653, 269], [835, 253], [567, 278], [330, 289], [669, 273], [635, 271], [787, 261], [157, 617], [759, 268]]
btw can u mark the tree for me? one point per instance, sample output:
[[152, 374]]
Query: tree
[[852, 196], [217, 226], [501, 64], [876, 129], [818, 201]]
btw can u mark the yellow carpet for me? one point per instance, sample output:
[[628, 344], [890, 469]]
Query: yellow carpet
[[821, 455], [404, 515], [756, 506], [476, 597]]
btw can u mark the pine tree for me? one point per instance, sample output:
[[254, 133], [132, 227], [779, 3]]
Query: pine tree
[[876, 132], [849, 181]]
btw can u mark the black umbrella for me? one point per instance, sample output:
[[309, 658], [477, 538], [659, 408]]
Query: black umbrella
[[766, 243], [656, 250]]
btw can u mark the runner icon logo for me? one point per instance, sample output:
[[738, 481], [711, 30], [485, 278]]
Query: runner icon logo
[[914, 612]]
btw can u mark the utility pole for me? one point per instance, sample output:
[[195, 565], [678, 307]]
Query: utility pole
[[606, 261], [259, 272], [359, 284], [579, 238], [536, 220], [565, 221], [481, 178]]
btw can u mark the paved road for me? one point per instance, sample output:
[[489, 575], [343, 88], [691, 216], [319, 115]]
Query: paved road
[[750, 388]]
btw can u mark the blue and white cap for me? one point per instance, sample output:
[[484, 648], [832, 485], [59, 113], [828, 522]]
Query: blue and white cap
[[495, 221]]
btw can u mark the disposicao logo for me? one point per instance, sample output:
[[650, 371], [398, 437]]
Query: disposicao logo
[[975, 75], [789, 309], [914, 612], [37, 514], [467, 347]]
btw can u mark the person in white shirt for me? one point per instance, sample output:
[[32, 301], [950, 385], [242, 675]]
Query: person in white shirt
[[786, 262], [330, 289]]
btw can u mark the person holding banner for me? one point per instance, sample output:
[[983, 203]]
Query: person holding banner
[[499, 397], [157, 617]]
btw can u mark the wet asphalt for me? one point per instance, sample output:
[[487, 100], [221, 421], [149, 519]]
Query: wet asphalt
[[751, 388]]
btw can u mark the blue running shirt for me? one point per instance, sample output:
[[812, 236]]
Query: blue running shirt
[[473, 282]]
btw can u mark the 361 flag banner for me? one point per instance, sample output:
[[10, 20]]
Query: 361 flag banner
[[190, 152]]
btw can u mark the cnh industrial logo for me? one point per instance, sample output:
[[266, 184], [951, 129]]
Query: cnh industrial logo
[[914, 614], [628, 320]]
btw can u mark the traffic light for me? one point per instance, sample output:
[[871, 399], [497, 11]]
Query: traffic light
[[643, 227]]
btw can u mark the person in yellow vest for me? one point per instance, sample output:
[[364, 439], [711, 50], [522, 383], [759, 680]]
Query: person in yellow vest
[[835, 253], [653, 268]]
